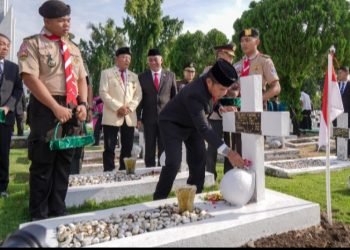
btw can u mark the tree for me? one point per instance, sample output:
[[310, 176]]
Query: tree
[[98, 53], [213, 38], [297, 35], [146, 29], [187, 48], [195, 47], [171, 29]]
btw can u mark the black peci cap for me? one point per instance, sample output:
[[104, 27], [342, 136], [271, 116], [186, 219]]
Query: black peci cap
[[123, 50], [249, 32], [224, 73], [54, 9], [154, 52]]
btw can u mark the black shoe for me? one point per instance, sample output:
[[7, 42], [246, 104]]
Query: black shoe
[[4, 194], [37, 218], [55, 214]]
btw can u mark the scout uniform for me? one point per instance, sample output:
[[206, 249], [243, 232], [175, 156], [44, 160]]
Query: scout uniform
[[259, 64], [41, 57]]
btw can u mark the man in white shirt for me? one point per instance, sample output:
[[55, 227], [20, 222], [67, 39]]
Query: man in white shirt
[[306, 110]]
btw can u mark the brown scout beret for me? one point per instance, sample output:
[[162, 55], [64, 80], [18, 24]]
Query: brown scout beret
[[249, 32]]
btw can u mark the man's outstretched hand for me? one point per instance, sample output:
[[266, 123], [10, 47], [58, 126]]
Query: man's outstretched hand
[[235, 159]]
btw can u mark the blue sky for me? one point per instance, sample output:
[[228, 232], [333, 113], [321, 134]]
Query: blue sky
[[201, 15]]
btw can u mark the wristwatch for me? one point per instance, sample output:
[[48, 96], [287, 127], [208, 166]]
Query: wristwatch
[[84, 104]]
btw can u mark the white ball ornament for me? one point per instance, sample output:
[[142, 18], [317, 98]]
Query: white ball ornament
[[237, 186]]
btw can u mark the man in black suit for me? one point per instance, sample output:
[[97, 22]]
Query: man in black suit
[[183, 119], [158, 87], [11, 90], [344, 87]]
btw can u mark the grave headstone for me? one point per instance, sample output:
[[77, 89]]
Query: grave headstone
[[254, 124], [315, 119], [342, 133]]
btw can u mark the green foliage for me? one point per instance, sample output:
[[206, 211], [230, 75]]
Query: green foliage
[[195, 47], [297, 35], [146, 29], [188, 48], [171, 29], [312, 187], [98, 53]]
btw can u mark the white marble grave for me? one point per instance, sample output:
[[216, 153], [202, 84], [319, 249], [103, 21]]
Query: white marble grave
[[229, 227], [289, 168], [112, 191], [342, 133], [254, 126], [302, 142], [90, 168]]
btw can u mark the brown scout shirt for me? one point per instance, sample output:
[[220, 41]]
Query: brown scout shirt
[[260, 65], [42, 58]]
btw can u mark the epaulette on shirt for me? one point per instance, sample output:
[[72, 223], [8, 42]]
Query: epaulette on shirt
[[265, 56], [30, 37]]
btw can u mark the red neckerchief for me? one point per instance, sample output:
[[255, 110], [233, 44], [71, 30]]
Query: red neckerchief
[[71, 84], [246, 66]]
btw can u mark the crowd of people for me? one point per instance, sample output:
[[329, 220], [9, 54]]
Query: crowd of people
[[169, 112]]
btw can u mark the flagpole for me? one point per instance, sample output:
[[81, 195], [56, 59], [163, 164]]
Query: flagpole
[[328, 179]]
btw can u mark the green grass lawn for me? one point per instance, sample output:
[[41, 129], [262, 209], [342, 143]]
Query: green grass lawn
[[14, 210]]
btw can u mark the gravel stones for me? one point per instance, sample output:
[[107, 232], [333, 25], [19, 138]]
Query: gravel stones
[[91, 232]]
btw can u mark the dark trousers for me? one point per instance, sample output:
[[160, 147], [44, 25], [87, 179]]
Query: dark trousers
[[173, 136], [20, 124], [306, 122], [235, 144], [77, 161], [5, 142], [110, 141], [295, 122], [212, 151], [49, 170], [97, 130], [152, 138]]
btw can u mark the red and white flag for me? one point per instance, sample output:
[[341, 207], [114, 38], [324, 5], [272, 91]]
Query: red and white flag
[[332, 104]]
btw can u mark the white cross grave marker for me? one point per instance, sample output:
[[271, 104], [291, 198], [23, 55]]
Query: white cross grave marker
[[342, 133], [254, 124]]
